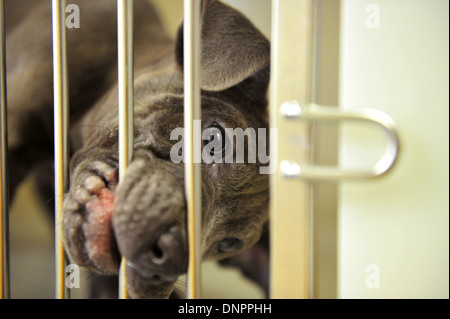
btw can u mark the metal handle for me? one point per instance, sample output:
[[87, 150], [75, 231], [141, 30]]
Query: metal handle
[[313, 112]]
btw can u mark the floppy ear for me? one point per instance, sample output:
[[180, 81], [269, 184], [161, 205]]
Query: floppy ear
[[232, 49]]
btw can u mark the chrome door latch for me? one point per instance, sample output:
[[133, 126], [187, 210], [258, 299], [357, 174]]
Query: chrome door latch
[[292, 110]]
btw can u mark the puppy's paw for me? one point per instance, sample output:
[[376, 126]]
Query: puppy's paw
[[88, 209]]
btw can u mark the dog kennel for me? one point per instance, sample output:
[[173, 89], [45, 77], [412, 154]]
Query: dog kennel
[[299, 76]]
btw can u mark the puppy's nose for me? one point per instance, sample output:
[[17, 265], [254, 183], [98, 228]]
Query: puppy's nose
[[148, 220], [163, 258]]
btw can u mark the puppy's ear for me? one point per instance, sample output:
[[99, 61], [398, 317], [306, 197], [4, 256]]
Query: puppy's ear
[[232, 49]]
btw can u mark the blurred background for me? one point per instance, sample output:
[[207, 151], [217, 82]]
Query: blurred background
[[387, 238]]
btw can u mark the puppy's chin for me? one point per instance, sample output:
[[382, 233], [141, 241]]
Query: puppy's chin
[[143, 287]]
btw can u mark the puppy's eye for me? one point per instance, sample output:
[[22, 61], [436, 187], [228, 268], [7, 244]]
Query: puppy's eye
[[229, 244], [214, 138]]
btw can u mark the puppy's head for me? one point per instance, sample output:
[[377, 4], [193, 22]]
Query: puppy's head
[[148, 208]]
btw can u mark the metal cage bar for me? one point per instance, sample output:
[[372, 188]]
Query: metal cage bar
[[4, 220], [290, 220], [61, 118], [126, 103], [192, 142]]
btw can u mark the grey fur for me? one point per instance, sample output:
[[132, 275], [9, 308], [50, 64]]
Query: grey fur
[[149, 221]]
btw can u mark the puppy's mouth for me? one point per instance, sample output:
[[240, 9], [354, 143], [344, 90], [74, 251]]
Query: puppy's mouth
[[88, 210], [100, 244], [89, 234], [144, 283]]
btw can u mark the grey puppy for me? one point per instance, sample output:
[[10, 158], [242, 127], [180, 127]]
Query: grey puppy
[[143, 219]]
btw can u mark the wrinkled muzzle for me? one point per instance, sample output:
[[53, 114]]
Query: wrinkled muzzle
[[149, 225]]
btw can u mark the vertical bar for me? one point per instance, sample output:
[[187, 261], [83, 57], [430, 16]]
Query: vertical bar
[[126, 103], [4, 222], [61, 117], [325, 141], [289, 208], [192, 139]]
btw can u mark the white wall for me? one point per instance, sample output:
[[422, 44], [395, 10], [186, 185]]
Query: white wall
[[399, 223], [258, 11]]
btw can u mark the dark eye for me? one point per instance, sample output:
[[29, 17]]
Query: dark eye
[[229, 244], [215, 139]]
